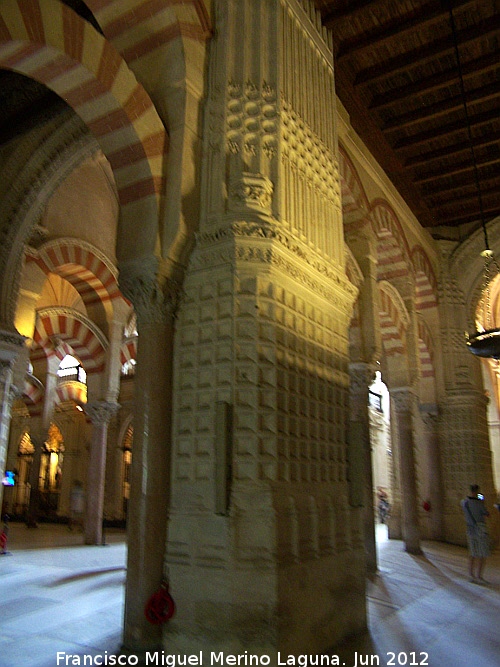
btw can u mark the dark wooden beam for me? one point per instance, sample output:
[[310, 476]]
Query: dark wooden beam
[[427, 53], [364, 125], [452, 150], [489, 191], [467, 201], [457, 168], [465, 181], [430, 84], [425, 16], [461, 217], [332, 18], [443, 108]]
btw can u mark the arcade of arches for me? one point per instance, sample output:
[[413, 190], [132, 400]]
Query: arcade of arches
[[203, 273]]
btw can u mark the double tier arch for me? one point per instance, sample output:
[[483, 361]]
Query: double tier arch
[[393, 251], [61, 330], [46, 41]]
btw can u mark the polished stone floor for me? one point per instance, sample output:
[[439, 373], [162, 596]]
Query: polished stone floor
[[59, 596]]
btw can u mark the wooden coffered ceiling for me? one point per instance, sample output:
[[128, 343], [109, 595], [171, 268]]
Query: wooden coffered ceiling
[[397, 75]]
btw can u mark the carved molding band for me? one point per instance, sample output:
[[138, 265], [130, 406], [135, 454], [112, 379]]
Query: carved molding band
[[206, 255]]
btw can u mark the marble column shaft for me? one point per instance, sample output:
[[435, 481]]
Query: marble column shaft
[[403, 404], [6, 397], [151, 456], [11, 347], [100, 413], [360, 463]]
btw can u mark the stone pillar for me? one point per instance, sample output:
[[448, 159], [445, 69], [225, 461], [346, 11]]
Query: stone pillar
[[11, 347], [364, 350], [111, 376], [404, 401], [100, 413], [7, 395], [434, 491], [155, 306], [463, 426], [360, 460], [38, 433]]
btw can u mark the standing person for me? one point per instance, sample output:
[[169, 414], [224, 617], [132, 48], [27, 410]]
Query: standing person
[[383, 504], [475, 514]]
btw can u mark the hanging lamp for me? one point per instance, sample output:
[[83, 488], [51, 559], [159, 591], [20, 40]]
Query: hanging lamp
[[485, 342]]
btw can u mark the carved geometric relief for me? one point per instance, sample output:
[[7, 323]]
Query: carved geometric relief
[[251, 119]]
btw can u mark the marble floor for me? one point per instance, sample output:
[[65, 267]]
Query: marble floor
[[59, 596]]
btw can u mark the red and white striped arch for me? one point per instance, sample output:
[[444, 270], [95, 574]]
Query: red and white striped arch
[[393, 321], [425, 280], [87, 269], [425, 347], [138, 28], [48, 42], [128, 350], [354, 200], [393, 250], [32, 395], [74, 333], [71, 391]]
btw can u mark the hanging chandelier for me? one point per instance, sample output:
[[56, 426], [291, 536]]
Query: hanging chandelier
[[485, 342]]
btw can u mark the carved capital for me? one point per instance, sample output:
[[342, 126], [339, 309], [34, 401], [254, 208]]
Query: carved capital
[[153, 301], [11, 343], [361, 377], [251, 191], [101, 412]]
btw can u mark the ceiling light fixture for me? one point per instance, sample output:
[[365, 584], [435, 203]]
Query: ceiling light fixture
[[485, 342]]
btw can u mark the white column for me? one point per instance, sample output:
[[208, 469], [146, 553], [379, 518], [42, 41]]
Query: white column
[[100, 413]]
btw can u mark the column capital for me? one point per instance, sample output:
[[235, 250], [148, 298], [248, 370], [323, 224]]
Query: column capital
[[155, 298], [11, 345], [361, 376], [404, 399], [101, 412]]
